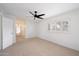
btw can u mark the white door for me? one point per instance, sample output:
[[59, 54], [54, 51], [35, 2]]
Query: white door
[[8, 32]]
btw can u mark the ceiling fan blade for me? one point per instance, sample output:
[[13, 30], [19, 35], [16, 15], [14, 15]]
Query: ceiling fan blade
[[41, 15], [31, 13]]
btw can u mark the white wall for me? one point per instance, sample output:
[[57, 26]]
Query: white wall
[[30, 28], [68, 39]]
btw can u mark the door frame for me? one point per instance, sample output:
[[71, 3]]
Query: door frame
[[1, 46]]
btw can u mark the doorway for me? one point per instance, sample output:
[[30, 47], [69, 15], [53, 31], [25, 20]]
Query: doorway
[[20, 29]]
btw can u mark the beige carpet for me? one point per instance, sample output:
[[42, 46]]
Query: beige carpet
[[38, 47]]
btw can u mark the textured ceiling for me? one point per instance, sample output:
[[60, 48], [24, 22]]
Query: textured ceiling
[[50, 9]]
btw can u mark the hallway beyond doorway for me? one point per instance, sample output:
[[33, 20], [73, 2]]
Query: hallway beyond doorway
[[20, 29]]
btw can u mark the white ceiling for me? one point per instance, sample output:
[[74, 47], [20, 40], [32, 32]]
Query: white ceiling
[[50, 9]]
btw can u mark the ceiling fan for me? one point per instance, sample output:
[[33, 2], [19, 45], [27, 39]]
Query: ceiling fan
[[36, 16]]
